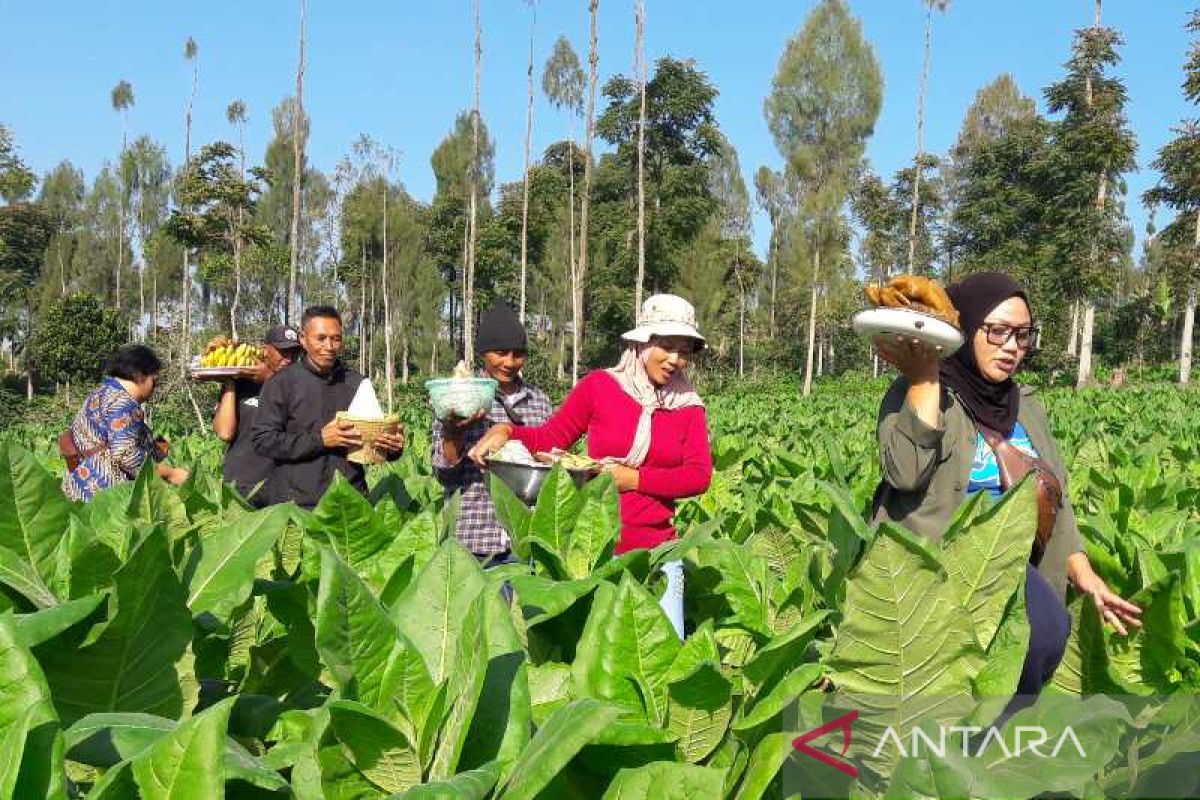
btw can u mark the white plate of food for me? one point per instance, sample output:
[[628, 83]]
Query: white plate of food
[[909, 324]]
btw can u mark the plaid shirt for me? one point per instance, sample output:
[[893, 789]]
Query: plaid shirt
[[478, 528]]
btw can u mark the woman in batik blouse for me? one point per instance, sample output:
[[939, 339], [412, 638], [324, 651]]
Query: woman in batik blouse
[[110, 431]]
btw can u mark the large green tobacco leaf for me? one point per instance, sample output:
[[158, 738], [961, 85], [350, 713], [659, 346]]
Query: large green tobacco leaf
[[596, 529], [155, 503], [626, 650], [699, 708], [464, 684], [746, 583], [189, 762], [31, 743], [906, 650], [345, 520], [985, 559], [1151, 659], [765, 762], [131, 665], [432, 610], [355, 636], [665, 780], [501, 726], [105, 740], [557, 509], [474, 784], [33, 516], [221, 569], [376, 748], [42, 626], [567, 731]]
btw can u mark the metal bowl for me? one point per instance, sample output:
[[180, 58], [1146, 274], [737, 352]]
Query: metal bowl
[[525, 480]]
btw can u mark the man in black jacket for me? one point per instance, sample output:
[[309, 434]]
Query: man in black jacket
[[297, 424]]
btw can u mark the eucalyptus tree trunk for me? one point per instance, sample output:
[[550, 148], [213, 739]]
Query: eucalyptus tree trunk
[[185, 350], [389, 367], [362, 315], [1073, 337], [1084, 375], [293, 311], [580, 276], [918, 166], [640, 24], [812, 322], [1189, 321], [237, 243], [121, 217], [528, 146], [473, 233]]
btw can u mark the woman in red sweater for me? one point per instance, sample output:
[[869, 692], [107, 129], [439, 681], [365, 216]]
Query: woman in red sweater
[[644, 417]]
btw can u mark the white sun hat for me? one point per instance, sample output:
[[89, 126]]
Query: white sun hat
[[665, 315]]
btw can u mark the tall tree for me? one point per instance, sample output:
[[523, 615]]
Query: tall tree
[[16, 179], [293, 310], [679, 139], [919, 159], [191, 53], [236, 115], [62, 196], [215, 214], [641, 73], [468, 309], [768, 190], [729, 190], [528, 145], [996, 109], [563, 83], [581, 268], [1178, 162], [454, 161], [147, 178], [824, 101], [122, 100], [379, 163], [1094, 137]]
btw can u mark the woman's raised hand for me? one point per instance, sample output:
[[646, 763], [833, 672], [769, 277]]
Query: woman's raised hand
[[496, 437]]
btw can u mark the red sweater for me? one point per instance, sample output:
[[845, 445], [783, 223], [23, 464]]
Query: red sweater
[[678, 465]]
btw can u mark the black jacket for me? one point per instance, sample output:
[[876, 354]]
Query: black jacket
[[293, 407]]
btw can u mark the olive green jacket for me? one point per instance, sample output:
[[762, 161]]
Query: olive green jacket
[[925, 471]]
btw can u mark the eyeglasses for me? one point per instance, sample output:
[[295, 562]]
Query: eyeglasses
[[998, 334]]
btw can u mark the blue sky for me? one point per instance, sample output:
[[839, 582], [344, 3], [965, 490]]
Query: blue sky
[[400, 70]]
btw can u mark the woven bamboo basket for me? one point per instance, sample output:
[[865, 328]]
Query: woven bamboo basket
[[369, 429]]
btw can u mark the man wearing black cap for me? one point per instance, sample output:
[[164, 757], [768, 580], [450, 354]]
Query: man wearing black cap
[[501, 345], [238, 408]]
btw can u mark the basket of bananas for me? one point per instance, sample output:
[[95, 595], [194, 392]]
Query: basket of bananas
[[225, 358], [912, 307]]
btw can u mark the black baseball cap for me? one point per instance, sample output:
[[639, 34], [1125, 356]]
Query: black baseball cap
[[283, 337]]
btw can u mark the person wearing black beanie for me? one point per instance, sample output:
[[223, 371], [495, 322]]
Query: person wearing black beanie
[[954, 427], [500, 330], [501, 345]]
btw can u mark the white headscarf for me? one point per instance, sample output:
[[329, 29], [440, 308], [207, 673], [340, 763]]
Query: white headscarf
[[630, 373]]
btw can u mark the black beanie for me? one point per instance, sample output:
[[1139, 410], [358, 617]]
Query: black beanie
[[499, 329]]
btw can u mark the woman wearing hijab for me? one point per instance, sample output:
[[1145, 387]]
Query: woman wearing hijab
[[645, 417], [940, 427]]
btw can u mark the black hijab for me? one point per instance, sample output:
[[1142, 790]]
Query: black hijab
[[992, 404]]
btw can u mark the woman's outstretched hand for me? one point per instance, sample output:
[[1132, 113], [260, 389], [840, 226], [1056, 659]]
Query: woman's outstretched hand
[[1114, 609], [496, 437]]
